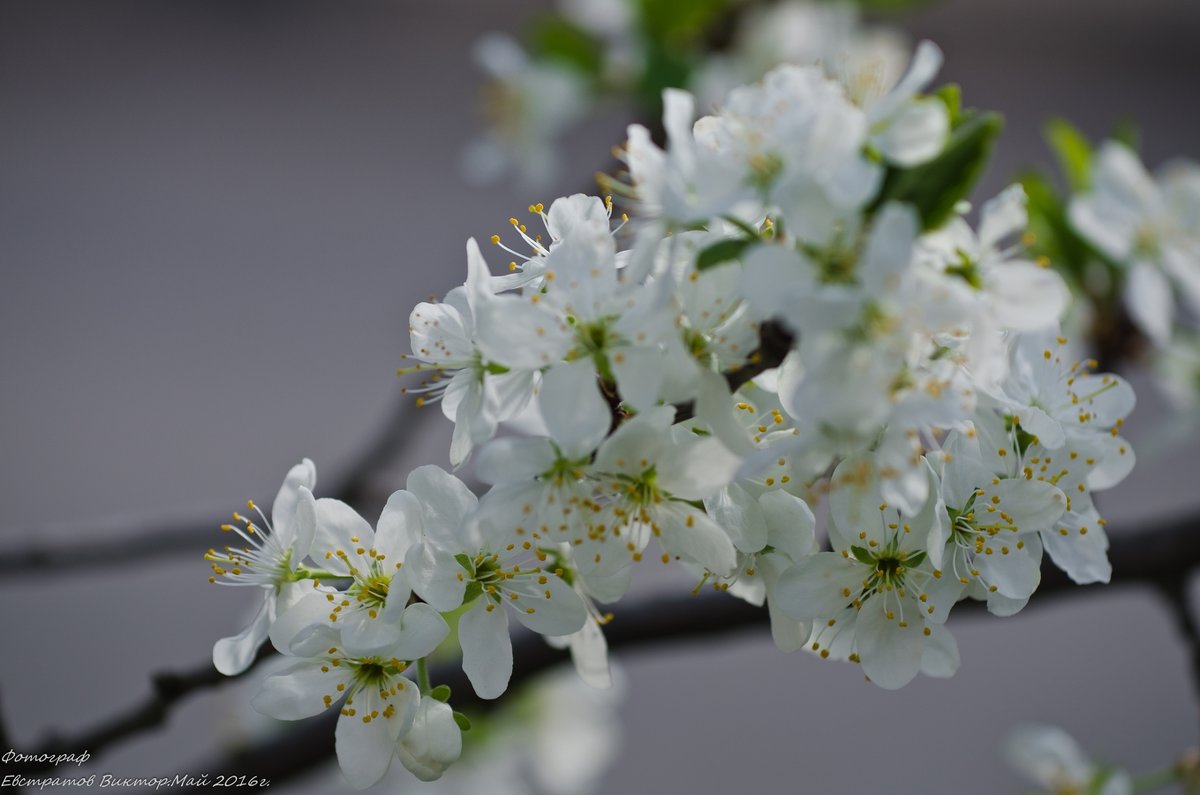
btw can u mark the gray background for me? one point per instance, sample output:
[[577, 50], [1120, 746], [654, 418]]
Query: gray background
[[214, 219]]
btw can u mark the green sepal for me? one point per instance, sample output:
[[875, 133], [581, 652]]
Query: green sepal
[[472, 592], [914, 560], [463, 721], [863, 556], [720, 252], [440, 693]]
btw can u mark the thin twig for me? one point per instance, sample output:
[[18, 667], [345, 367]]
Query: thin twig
[[167, 688], [1174, 589], [1168, 550], [144, 540]]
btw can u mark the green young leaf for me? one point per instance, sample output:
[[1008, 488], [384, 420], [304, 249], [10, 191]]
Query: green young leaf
[[863, 556], [557, 39], [1050, 231], [463, 721], [680, 22], [1073, 152], [721, 251], [440, 693], [934, 188]]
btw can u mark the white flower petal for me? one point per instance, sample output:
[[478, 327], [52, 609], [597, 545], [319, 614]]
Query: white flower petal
[[741, 517], [891, 654], [576, 414], [916, 133], [234, 654], [365, 741], [298, 691], [436, 576], [1148, 299], [1027, 297], [696, 468], [487, 650], [513, 459], [445, 502], [290, 625], [589, 653], [818, 586], [791, 526], [639, 371], [940, 658], [303, 475], [433, 743], [341, 529], [420, 631], [689, 534], [557, 609], [399, 527]]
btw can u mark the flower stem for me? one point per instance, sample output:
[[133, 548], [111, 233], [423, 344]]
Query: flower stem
[[423, 676]]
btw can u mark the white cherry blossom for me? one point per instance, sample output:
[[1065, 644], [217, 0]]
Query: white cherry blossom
[[271, 560]]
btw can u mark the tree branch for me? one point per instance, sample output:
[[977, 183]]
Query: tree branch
[[774, 342], [1169, 550], [147, 539], [167, 689], [1174, 590]]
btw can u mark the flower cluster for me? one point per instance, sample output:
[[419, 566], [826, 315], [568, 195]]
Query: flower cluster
[[585, 55], [799, 314]]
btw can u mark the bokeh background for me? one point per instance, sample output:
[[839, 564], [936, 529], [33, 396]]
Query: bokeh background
[[214, 219]]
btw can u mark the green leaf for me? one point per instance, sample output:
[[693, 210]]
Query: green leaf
[[680, 22], [664, 67], [934, 188], [440, 693], [555, 38], [721, 251], [1073, 152], [463, 721], [1050, 230], [863, 556]]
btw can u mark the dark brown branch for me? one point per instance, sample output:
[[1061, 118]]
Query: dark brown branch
[[1174, 589], [147, 539], [774, 343], [167, 689], [1168, 550]]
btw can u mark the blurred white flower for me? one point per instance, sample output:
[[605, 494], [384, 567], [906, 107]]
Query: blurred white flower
[[1051, 759], [530, 104], [1150, 226]]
